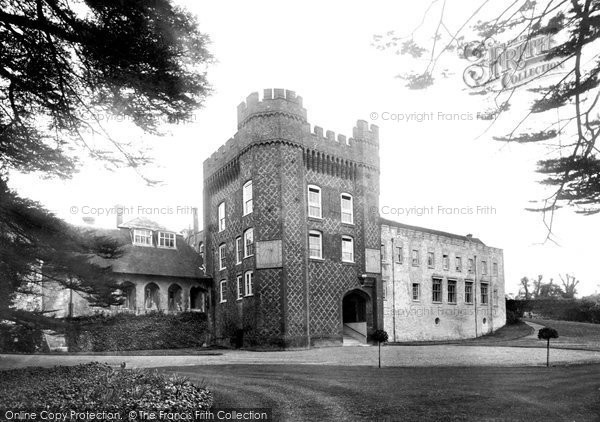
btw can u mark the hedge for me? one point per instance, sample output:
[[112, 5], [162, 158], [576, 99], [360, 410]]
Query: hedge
[[579, 310], [152, 331], [99, 387], [20, 339]]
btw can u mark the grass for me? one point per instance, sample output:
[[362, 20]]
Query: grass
[[337, 393], [580, 335]]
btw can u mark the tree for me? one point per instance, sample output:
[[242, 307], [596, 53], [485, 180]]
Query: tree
[[525, 290], [547, 333], [380, 336], [569, 283], [537, 287], [65, 69], [565, 107], [36, 247]]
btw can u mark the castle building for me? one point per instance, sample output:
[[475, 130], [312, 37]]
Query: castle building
[[294, 243]]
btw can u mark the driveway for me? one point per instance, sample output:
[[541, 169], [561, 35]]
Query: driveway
[[391, 356]]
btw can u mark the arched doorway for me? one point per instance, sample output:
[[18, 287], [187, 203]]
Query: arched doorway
[[129, 294], [197, 299], [354, 317], [152, 297], [175, 298]]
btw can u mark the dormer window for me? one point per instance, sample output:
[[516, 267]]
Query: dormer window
[[142, 237], [166, 240]]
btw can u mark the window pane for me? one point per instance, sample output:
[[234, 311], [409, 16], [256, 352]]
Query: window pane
[[314, 245]]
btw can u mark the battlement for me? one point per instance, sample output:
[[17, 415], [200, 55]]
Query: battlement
[[275, 100], [280, 116]]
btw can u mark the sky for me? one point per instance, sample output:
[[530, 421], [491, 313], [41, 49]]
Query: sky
[[444, 172]]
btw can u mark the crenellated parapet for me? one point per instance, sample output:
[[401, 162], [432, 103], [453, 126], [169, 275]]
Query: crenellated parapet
[[281, 117]]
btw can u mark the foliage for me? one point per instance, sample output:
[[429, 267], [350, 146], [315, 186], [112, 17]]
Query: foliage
[[101, 388], [580, 310], [380, 336], [512, 317], [36, 247], [20, 339], [152, 331], [547, 333], [65, 68], [69, 66], [563, 110]]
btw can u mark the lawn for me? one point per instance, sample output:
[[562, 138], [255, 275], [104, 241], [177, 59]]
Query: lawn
[[336, 393], [581, 335]]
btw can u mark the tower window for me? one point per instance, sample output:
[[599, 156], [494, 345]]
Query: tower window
[[249, 283], [314, 202], [430, 259], [399, 255], [495, 269], [347, 249], [240, 287], [470, 265], [483, 268], [222, 257], [221, 216], [247, 197], [315, 244], [484, 293], [416, 292], [239, 250], [347, 209], [446, 261], [248, 243], [458, 263], [223, 291], [415, 258]]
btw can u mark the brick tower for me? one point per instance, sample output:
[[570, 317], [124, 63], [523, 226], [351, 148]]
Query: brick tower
[[292, 231]]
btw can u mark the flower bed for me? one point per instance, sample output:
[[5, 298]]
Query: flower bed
[[99, 387]]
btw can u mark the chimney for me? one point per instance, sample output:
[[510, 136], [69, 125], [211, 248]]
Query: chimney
[[195, 217], [470, 236], [89, 220], [119, 211]]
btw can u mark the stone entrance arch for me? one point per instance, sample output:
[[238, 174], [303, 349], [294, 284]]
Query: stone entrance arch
[[355, 316]]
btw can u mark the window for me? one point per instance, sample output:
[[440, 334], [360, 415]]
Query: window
[[495, 269], [468, 292], [239, 250], [484, 293], [416, 291], [347, 249], [451, 291], [483, 268], [166, 240], [415, 258], [470, 266], [249, 283], [430, 259], [446, 261], [315, 245], [314, 201], [384, 284], [458, 263], [222, 257], [222, 216], [240, 287], [347, 209], [437, 290], [142, 237], [399, 255], [248, 243], [222, 290], [383, 252], [247, 197]]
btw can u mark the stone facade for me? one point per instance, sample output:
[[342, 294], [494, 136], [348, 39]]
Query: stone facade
[[457, 264], [314, 258]]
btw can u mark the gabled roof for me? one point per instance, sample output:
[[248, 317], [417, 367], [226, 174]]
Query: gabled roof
[[152, 260], [142, 223], [430, 231]]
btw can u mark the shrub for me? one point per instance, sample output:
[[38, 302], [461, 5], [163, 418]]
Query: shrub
[[101, 388], [99, 333], [20, 339], [512, 317]]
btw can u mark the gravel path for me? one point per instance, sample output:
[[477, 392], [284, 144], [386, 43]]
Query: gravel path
[[438, 355]]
